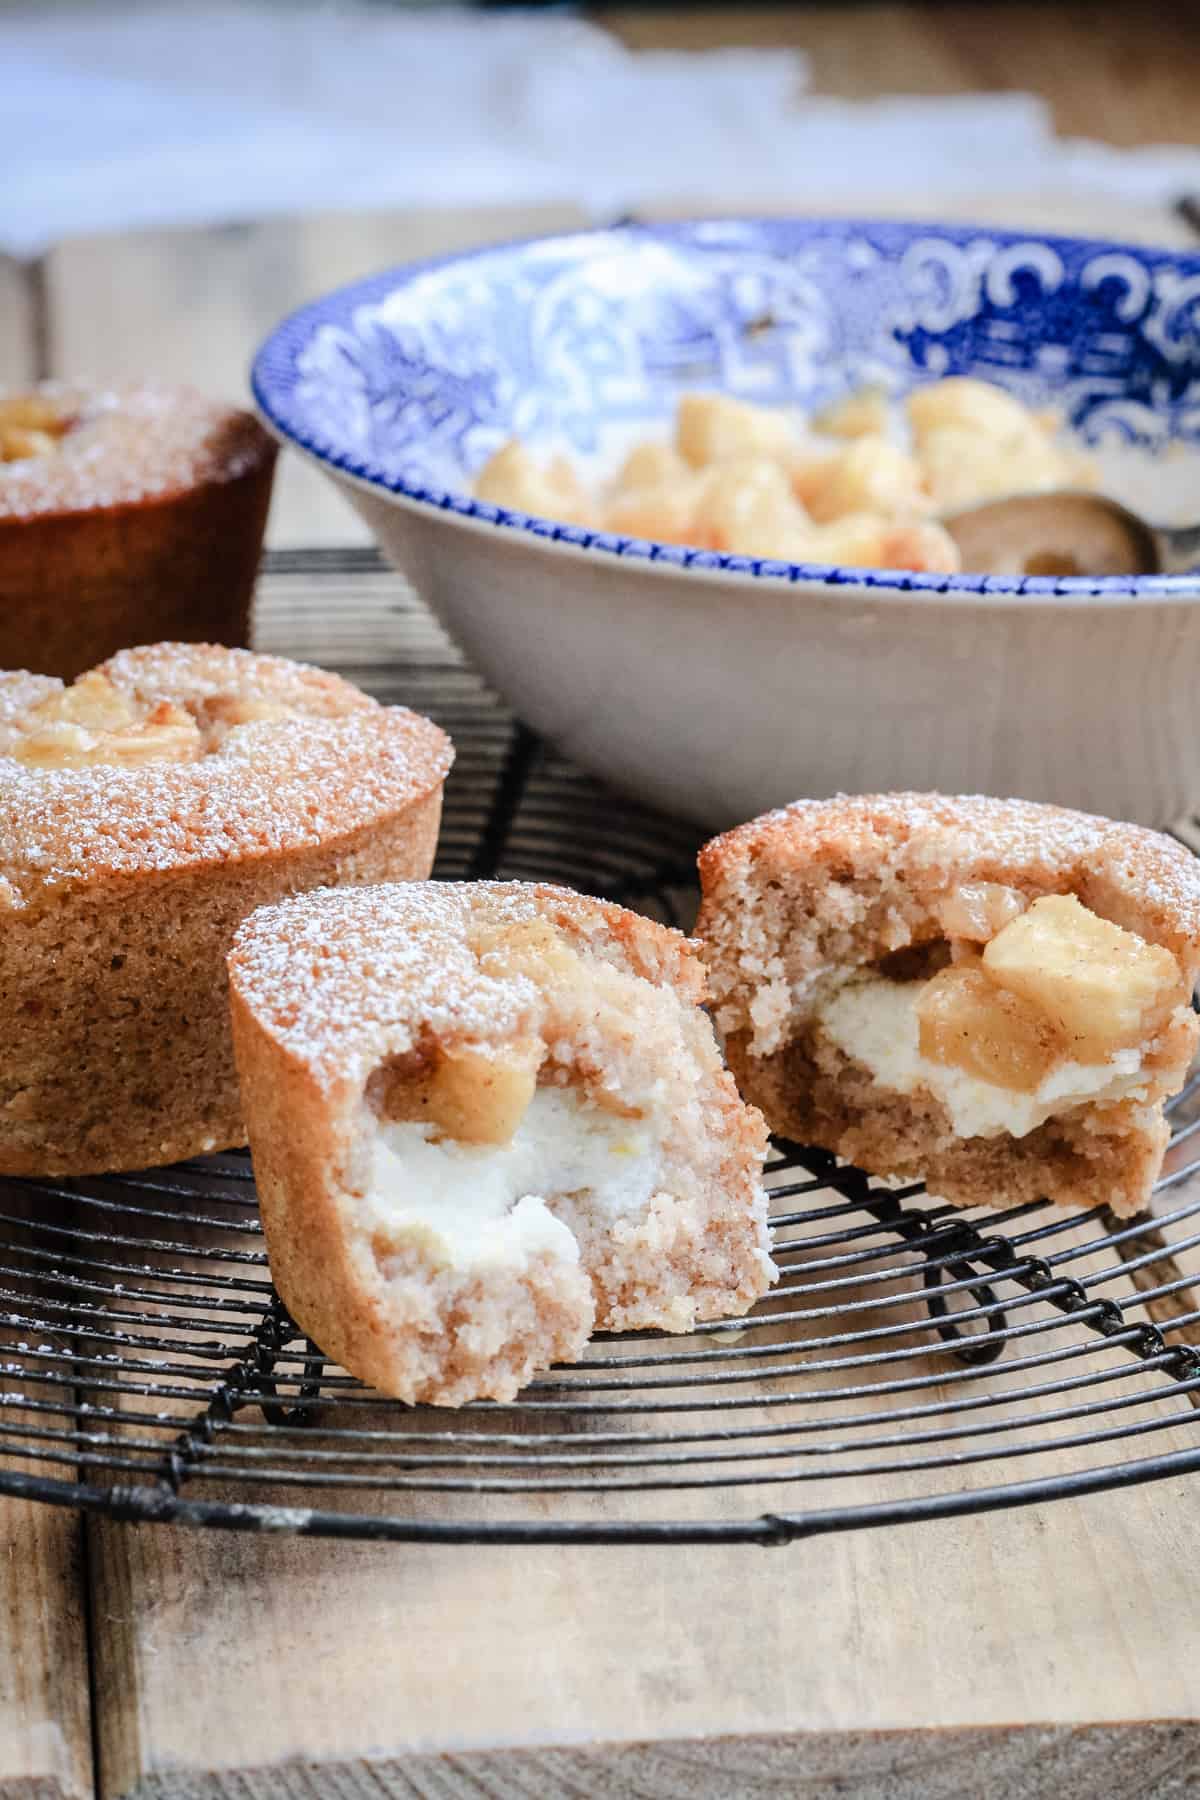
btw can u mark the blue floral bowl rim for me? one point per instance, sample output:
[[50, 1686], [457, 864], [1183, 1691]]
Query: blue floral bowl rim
[[274, 375]]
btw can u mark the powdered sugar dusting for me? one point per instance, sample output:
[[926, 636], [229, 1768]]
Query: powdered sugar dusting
[[822, 887], [130, 444], [271, 785], [345, 975], [196, 675], [851, 835], [331, 969]]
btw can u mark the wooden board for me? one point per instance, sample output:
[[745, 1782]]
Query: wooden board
[[1001, 1764], [1101, 72], [915, 1662], [317, 1652], [1032, 1652], [18, 347], [45, 1735]]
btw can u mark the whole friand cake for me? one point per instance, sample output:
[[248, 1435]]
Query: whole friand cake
[[128, 514], [146, 810]]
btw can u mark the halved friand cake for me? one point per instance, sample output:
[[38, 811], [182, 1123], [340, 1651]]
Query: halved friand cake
[[486, 1119], [989, 994]]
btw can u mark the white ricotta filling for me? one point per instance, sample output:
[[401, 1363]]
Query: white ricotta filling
[[485, 1205], [875, 1021]]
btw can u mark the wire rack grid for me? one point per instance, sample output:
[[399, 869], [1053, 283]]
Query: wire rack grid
[[914, 1360]]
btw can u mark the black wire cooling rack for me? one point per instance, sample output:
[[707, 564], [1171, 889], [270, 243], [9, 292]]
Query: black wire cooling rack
[[914, 1361]]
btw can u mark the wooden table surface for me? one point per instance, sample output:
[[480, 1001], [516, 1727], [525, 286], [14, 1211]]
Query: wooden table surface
[[1044, 1651]]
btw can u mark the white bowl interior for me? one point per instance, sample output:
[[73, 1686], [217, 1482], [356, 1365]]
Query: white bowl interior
[[583, 344], [722, 693]]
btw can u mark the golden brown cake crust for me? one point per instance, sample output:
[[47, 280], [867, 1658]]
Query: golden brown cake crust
[[818, 889], [122, 888], [144, 522], [268, 789], [854, 878], [331, 991], [129, 444]]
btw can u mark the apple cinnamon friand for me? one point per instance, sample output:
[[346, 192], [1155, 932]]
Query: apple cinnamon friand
[[127, 514], [991, 995], [487, 1119], [146, 809]]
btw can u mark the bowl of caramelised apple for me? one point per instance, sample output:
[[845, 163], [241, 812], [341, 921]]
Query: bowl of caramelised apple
[[743, 510]]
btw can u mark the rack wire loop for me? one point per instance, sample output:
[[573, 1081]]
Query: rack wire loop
[[913, 1362]]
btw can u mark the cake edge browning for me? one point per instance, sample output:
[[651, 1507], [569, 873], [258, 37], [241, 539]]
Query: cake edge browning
[[815, 1094], [121, 888], [819, 886], [306, 1052], [157, 1083]]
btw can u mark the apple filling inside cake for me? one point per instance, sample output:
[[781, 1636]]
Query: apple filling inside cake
[[487, 1120], [472, 1204], [1059, 1009], [32, 425], [990, 995]]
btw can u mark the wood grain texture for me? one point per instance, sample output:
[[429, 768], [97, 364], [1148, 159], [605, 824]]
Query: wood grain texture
[[18, 356], [1041, 1652], [45, 1730], [311, 1652], [1101, 71], [1120, 1764], [193, 306]]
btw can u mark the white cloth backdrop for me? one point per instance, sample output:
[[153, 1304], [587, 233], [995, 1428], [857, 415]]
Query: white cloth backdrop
[[190, 111]]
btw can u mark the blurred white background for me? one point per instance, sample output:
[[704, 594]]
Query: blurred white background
[[161, 113]]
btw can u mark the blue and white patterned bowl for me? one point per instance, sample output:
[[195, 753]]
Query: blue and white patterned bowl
[[719, 685]]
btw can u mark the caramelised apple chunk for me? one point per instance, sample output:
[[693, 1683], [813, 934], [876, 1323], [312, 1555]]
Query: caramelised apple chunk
[[514, 478], [1105, 989], [891, 988], [1054, 984], [31, 425], [223, 712], [966, 1021], [473, 1093], [526, 947], [480, 1095], [979, 910], [711, 427], [95, 722]]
